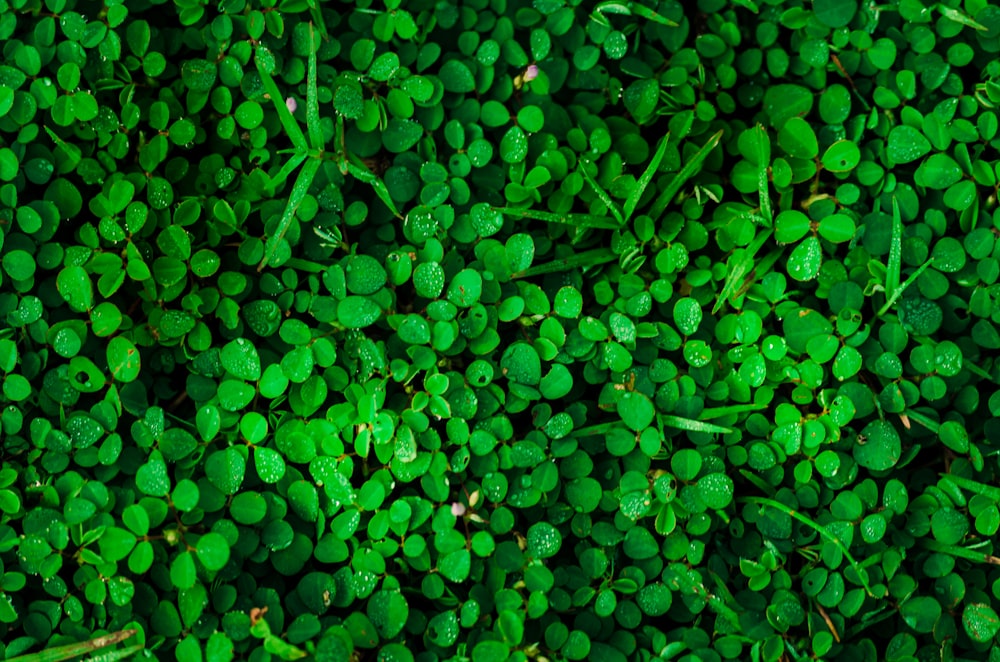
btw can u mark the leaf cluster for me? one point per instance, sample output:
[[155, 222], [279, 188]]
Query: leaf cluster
[[499, 330]]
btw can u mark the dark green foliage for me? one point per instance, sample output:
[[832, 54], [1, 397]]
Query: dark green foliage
[[500, 330]]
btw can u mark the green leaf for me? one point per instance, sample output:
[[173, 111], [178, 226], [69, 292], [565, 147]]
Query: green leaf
[[225, 469], [906, 144], [213, 551], [240, 359], [981, 622], [798, 139], [805, 260], [636, 410], [921, 613], [455, 565], [879, 446], [841, 156], [388, 611], [76, 288], [544, 540], [123, 359], [356, 312]]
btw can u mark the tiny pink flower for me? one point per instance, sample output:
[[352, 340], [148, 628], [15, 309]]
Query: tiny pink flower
[[531, 73], [457, 509], [291, 104]]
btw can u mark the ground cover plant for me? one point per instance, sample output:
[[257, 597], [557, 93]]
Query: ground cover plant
[[499, 330]]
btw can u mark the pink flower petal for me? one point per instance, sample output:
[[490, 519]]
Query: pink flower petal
[[291, 104], [457, 509]]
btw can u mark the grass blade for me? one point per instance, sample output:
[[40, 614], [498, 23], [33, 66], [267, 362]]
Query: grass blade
[[299, 191], [647, 176], [577, 220], [959, 17], [739, 266], [586, 259], [312, 97], [677, 577], [902, 288], [630, 8], [287, 169], [114, 656], [763, 163], [75, 650], [719, 412], [289, 123], [988, 491], [822, 530], [924, 420], [381, 190], [692, 425], [960, 552], [685, 173], [603, 196], [895, 252], [596, 430]]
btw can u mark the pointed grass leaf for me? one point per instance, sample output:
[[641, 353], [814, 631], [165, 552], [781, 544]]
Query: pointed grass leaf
[[298, 194], [288, 122], [690, 168], [647, 176], [579, 220]]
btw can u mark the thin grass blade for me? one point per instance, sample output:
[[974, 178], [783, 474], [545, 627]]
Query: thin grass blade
[[822, 530], [692, 425], [924, 420], [289, 123], [70, 651], [739, 266], [957, 551], [381, 190], [115, 656], [902, 288], [647, 176], [603, 196], [578, 220], [719, 412], [299, 191], [763, 165], [974, 486], [895, 251], [312, 98], [685, 173], [586, 259], [287, 169], [959, 17]]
